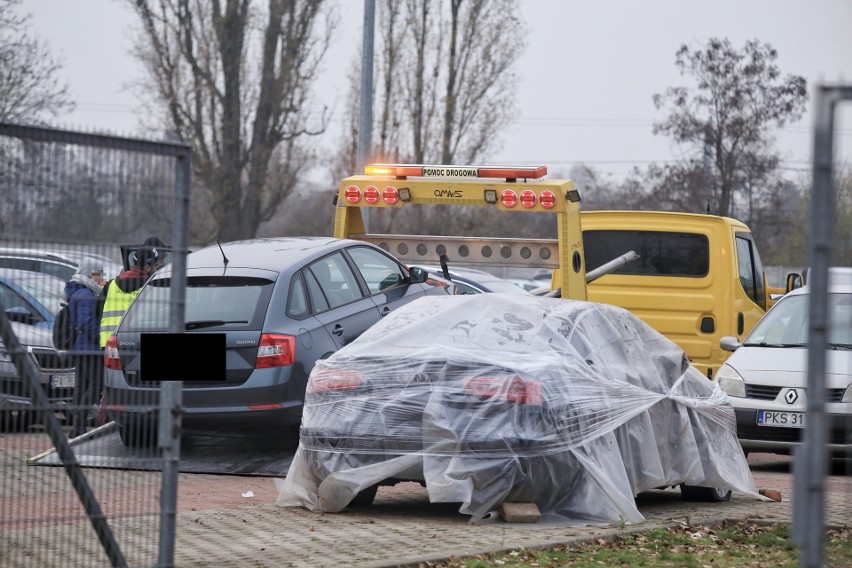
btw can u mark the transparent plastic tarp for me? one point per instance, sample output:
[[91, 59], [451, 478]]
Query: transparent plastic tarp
[[490, 398]]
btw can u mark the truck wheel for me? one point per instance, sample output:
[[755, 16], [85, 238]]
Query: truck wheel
[[705, 494]]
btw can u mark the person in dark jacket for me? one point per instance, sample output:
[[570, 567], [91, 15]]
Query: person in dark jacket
[[84, 294]]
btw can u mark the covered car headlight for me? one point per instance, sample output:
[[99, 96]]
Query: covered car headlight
[[730, 381]]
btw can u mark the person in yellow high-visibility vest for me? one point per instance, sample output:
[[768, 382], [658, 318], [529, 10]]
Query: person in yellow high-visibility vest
[[125, 287]]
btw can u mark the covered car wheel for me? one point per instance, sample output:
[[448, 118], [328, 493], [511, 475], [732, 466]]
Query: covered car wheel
[[365, 497], [706, 494]]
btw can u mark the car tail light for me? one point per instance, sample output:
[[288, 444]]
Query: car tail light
[[371, 194], [331, 379], [111, 359], [509, 389], [275, 351]]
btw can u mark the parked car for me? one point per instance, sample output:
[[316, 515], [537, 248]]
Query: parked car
[[55, 369], [767, 375], [281, 303], [31, 298], [62, 264], [472, 281], [490, 398]]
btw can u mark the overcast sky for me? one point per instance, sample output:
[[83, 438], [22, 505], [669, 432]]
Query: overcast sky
[[586, 77]]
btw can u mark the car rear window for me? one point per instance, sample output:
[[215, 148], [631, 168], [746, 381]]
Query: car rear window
[[661, 253], [215, 302]]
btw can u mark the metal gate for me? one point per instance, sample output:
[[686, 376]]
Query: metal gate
[[65, 197]]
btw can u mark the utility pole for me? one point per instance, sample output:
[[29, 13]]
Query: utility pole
[[365, 120]]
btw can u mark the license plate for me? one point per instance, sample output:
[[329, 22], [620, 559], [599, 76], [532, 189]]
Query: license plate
[[780, 419], [62, 381]]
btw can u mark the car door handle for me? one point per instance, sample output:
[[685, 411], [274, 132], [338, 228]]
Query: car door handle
[[338, 330], [385, 311]]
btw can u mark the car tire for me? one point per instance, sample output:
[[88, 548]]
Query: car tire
[[705, 494], [365, 497], [137, 437]]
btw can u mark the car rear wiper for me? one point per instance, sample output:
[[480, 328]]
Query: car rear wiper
[[210, 323]]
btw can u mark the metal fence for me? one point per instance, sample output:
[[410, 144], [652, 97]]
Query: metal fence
[[64, 197]]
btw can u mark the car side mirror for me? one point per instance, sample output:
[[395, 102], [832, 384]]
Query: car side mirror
[[21, 315], [794, 280], [417, 275], [729, 343]]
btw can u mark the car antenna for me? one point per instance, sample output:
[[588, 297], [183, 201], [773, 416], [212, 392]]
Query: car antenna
[[225, 258]]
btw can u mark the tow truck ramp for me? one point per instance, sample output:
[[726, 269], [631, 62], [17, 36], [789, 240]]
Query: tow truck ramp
[[211, 452]]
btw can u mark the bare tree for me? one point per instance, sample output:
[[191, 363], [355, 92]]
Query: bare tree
[[740, 95], [30, 90], [444, 90], [234, 79]]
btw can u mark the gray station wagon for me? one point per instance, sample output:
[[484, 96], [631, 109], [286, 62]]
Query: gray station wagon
[[281, 304]]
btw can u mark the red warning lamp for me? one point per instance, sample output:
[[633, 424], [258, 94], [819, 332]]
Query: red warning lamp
[[508, 198], [390, 195], [547, 199], [353, 194], [371, 194], [528, 198]]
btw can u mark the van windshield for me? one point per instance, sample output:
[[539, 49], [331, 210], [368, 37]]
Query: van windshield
[[661, 253]]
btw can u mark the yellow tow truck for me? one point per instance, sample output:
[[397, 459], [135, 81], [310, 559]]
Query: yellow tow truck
[[506, 188]]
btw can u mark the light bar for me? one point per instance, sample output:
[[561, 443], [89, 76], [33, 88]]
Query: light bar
[[438, 171]]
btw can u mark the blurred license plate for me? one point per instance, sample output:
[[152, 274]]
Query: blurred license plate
[[781, 419], [63, 381]]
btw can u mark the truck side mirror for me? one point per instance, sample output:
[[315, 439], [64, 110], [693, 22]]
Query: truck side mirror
[[794, 280]]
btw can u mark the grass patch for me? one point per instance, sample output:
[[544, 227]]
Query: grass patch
[[730, 545]]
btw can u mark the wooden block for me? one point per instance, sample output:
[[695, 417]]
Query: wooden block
[[520, 512], [771, 493]]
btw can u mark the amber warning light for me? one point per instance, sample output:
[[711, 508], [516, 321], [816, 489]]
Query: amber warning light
[[440, 171]]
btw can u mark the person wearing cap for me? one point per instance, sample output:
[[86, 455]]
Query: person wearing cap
[[83, 293], [120, 293]]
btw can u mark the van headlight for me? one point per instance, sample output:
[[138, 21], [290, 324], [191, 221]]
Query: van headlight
[[730, 381], [847, 396]]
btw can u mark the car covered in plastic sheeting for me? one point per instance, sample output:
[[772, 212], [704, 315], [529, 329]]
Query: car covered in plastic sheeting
[[490, 398]]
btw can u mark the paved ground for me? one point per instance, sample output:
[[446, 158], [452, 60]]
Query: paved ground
[[226, 520]]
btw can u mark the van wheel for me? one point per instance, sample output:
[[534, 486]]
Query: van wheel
[[137, 437], [365, 497], [705, 494]]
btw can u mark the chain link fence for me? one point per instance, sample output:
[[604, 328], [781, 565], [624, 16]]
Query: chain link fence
[[68, 202]]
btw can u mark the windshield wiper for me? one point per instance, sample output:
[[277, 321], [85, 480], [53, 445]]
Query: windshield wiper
[[210, 323], [839, 346], [781, 345]]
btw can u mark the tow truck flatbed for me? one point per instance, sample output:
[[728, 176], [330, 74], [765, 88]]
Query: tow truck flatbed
[[219, 453]]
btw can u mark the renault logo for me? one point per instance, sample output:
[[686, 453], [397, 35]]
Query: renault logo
[[791, 396]]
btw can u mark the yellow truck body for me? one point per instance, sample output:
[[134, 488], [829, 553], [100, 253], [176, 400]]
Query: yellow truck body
[[698, 277]]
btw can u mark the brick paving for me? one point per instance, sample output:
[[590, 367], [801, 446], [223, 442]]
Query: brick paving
[[225, 520]]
